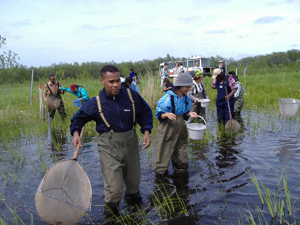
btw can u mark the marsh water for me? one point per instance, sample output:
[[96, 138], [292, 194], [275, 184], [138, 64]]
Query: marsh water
[[216, 190]]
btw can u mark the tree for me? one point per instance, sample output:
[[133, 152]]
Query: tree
[[8, 59]]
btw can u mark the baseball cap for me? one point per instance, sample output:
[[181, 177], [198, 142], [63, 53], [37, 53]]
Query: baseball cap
[[72, 87]]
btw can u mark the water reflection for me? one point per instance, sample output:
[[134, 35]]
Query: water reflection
[[58, 144]]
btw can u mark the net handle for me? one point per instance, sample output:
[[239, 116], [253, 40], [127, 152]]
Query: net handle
[[76, 152]]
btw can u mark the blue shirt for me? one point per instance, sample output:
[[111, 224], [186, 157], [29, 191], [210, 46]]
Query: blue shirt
[[117, 111], [164, 105], [133, 86], [80, 93]]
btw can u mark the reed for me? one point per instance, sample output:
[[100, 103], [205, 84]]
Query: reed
[[279, 206]]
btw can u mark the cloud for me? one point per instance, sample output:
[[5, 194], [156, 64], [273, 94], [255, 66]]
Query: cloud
[[274, 33], [190, 19], [21, 23], [295, 45], [299, 21], [268, 19], [216, 32], [89, 27], [16, 36], [279, 2]]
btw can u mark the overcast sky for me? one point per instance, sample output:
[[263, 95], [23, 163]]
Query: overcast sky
[[46, 32]]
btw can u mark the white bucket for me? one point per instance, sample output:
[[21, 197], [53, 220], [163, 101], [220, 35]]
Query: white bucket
[[196, 130], [288, 106], [204, 102]]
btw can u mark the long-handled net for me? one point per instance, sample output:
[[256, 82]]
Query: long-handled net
[[64, 194]]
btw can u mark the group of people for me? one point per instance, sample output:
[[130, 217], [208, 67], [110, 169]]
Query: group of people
[[118, 109], [233, 93], [55, 89]]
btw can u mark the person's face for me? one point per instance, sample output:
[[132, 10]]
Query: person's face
[[166, 66], [185, 89], [111, 82], [52, 79], [197, 64], [220, 64], [176, 64], [75, 89], [165, 83]]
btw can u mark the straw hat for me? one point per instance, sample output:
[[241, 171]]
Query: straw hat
[[217, 71]]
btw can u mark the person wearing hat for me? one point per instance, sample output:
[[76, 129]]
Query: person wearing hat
[[164, 73], [221, 67], [171, 135], [197, 92], [78, 91], [222, 83]]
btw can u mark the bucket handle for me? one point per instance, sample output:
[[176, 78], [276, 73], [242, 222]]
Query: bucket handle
[[191, 118]]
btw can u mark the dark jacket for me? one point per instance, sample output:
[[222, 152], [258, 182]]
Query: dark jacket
[[117, 111]]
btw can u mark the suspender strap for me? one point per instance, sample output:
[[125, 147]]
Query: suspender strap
[[102, 115], [172, 104], [49, 89], [133, 106]]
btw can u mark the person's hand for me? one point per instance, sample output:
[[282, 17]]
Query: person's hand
[[227, 97], [170, 116], [163, 90], [147, 139], [193, 115], [76, 141], [198, 100]]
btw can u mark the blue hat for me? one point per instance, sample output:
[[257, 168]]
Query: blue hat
[[192, 72]]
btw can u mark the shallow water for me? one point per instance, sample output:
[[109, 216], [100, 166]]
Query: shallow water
[[216, 187]]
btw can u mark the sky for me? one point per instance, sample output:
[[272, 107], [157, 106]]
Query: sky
[[67, 31]]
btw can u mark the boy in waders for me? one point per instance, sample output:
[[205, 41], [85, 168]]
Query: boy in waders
[[116, 110], [171, 135]]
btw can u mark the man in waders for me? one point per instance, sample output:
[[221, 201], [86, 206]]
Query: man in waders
[[54, 88], [116, 111]]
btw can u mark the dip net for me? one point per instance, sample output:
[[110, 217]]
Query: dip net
[[64, 194]]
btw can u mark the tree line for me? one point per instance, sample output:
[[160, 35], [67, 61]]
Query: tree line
[[11, 71]]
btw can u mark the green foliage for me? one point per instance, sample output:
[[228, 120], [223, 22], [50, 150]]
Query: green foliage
[[7, 59]]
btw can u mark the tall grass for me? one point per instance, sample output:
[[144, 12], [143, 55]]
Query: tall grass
[[280, 206]]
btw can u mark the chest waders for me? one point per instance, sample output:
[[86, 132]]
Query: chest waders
[[238, 105], [119, 159], [171, 143], [61, 107], [221, 103], [196, 106]]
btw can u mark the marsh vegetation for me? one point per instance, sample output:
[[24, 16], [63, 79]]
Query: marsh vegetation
[[232, 178]]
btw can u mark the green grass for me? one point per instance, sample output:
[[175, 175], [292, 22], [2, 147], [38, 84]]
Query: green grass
[[19, 120], [280, 206]]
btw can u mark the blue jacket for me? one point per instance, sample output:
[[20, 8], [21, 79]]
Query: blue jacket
[[164, 105], [80, 93], [117, 111]]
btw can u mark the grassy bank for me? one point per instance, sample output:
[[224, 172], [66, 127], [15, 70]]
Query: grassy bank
[[262, 93]]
